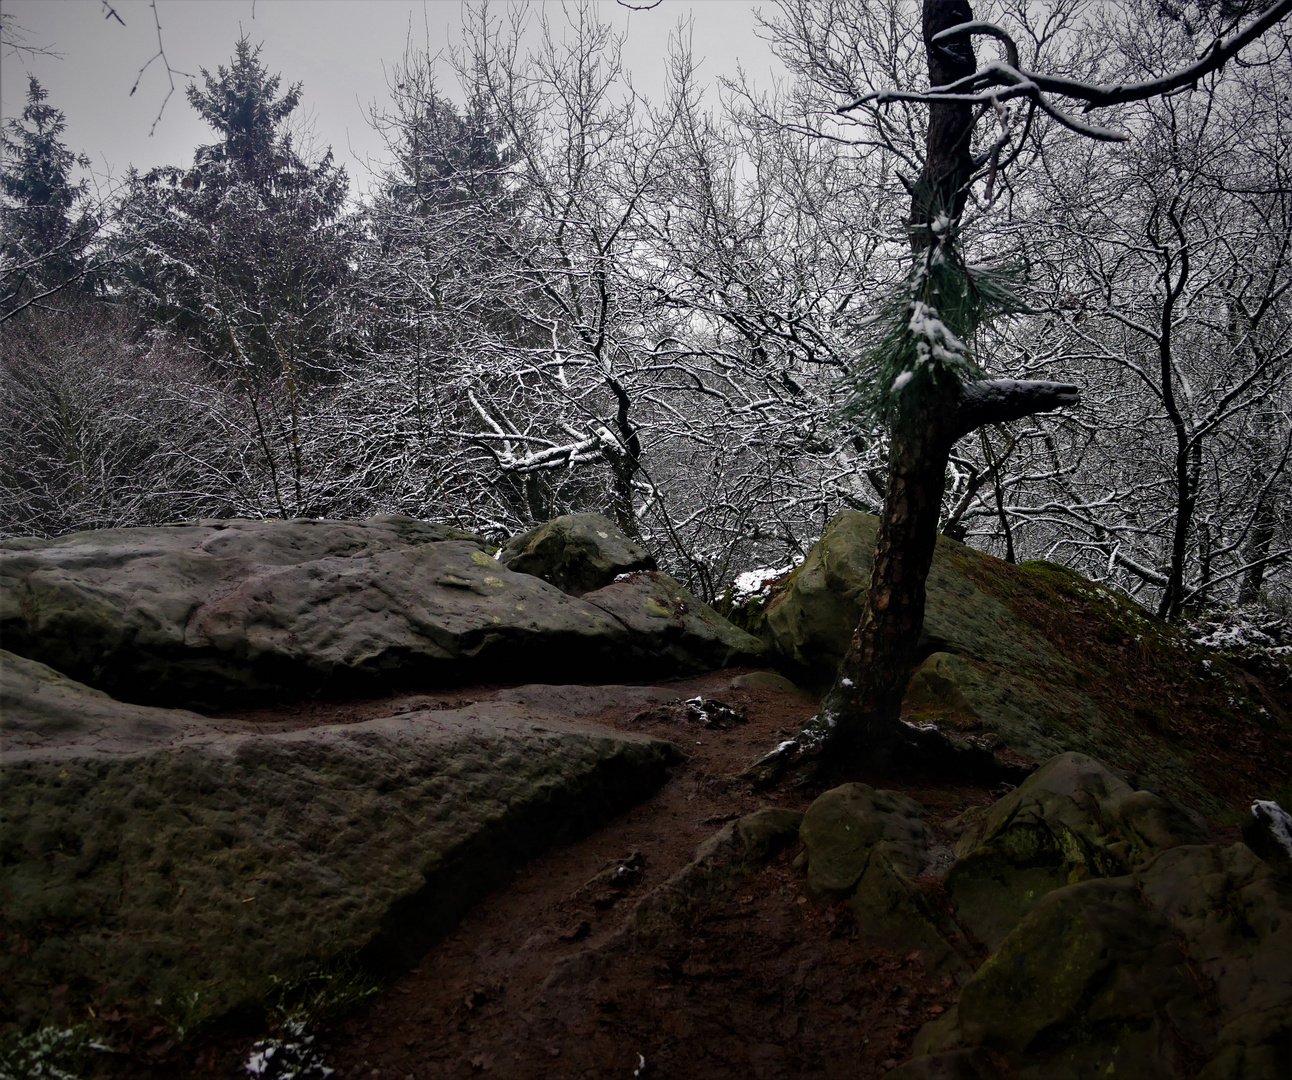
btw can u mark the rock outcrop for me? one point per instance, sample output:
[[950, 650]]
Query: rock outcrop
[[1071, 820], [1181, 968], [577, 553], [219, 613], [157, 857], [1032, 660], [1121, 943], [869, 847]]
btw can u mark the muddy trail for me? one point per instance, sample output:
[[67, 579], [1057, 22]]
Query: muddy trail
[[539, 980]]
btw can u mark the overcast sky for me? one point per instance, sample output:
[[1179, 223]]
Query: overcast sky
[[336, 48]]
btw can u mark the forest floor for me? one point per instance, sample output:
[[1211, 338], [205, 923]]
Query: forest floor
[[760, 982]]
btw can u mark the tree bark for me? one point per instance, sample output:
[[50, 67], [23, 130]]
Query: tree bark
[[866, 699], [943, 184], [867, 694], [859, 722]]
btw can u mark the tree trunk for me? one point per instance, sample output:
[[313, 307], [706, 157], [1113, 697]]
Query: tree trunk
[[943, 184], [859, 722], [867, 695]]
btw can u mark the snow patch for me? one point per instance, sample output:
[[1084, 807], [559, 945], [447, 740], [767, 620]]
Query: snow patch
[[758, 582], [1280, 822], [933, 338], [287, 1057]]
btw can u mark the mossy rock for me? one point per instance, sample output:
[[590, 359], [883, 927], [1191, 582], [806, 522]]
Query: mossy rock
[[843, 827], [1071, 820], [1182, 967], [166, 863], [1033, 660], [225, 613], [869, 846], [576, 552]]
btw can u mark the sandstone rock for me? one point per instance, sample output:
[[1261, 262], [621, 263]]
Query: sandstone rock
[[1234, 917], [844, 827], [150, 856], [811, 619], [766, 680], [668, 630], [41, 708], [975, 1063], [992, 678], [1090, 983], [219, 612], [576, 552], [1071, 820], [1003, 700], [1181, 968], [1123, 946], [869, 846]]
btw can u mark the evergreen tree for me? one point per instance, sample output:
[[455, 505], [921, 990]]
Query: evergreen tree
[[45, 225], [247, 250]]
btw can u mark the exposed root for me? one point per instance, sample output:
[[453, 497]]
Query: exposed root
[[824, 750]]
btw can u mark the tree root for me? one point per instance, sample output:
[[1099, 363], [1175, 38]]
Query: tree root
[[895, 749]]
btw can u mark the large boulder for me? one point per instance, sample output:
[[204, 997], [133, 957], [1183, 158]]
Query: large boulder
[[847, 826], [42, 708], [1071, 820], [1122, 945], [1181, 968], [811, 619], [172, 865], [216, 613], [1032, 660], [576, 552]]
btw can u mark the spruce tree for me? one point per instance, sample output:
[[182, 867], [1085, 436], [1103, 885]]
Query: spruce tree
[[45, 225], [245, 251]]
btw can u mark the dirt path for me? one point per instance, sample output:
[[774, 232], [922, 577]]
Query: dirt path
[[759, 983]]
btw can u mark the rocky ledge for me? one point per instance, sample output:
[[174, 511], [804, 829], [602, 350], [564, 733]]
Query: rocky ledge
[[159, 859], [224, 613]]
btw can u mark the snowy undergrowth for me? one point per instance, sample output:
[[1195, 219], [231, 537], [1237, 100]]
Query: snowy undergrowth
[[1245, 633], [301, 1004], [49, 1053], [289, 1055]]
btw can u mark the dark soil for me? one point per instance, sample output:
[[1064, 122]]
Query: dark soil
[[762, 982]]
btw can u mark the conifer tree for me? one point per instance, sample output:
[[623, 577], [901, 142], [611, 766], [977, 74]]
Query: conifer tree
[[246, 250], [45, 223]]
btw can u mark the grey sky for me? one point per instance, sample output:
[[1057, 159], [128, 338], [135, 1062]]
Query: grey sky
[[336, 48]]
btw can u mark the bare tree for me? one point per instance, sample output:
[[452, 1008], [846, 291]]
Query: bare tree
[[924, 377], [1161, 268]]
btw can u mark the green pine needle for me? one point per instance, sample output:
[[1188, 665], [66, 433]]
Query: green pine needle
[[922, 332]]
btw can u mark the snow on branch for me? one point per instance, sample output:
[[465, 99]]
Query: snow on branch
[[999, 81]]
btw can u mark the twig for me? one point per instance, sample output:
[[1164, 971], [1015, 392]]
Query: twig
[[160, 54]]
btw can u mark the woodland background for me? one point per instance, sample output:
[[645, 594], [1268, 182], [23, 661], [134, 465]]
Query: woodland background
[[564, 297]]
